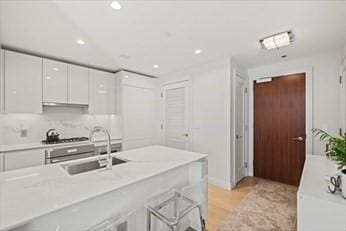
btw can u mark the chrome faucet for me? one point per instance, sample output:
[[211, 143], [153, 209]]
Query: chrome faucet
[[108, 161]]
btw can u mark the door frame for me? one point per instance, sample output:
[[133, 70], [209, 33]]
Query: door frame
[[188, 105], [309, 142]]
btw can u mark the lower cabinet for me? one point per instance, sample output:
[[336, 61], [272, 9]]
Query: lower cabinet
[[23, 159]]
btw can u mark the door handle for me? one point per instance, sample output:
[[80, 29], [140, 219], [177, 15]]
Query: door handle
[[299, 138], [186, 134]]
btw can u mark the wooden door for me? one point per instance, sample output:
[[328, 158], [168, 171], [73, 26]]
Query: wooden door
[[279, 128]]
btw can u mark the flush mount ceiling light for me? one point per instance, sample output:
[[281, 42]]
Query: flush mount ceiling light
[[277, 40], [115, 5], [155, 66], [80, 42], [198, 51]]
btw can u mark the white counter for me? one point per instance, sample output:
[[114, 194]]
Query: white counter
[[318, 209], [39, 145], [30, 193]]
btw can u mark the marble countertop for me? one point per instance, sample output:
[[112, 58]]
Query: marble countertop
[[313, 182], [39, 145], [29, 193]]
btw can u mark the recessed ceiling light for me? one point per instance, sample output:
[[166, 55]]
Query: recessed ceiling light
[[115, 5], [80, 42], [155, 66], [277, 40], [198, 51]]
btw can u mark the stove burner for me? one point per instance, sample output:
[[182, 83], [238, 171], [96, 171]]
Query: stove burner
[[67, 140]]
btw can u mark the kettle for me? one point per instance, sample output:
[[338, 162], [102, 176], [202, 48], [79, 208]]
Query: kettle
[[52, 135]]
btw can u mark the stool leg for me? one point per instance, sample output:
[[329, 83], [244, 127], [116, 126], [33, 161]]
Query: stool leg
[[201, 218], [148, 220], [174, 228]]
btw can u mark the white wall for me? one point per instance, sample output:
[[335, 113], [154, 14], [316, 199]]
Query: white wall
[[210, 115], [325, 96]]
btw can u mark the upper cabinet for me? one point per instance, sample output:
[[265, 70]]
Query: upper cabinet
[[23, 83], [54, 81], [78, 85], [102, 96], [29, 82], [65, 83]]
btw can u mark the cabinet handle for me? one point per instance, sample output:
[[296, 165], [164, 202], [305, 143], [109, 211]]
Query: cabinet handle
[[72, 150]]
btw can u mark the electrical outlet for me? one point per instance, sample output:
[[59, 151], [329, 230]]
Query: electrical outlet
[[23, 133]]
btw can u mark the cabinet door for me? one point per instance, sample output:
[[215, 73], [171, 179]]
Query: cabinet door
[[78, 85], [102, 92], [23, 83], [54, 81], [139, 101], [23, 159]]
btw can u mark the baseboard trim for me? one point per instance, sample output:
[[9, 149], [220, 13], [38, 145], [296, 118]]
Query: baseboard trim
[[220, 183]]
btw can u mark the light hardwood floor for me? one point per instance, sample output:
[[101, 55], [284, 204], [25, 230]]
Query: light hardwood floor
[[221, 202]]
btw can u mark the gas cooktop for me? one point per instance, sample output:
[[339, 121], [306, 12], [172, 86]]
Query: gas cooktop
[[66, 140]]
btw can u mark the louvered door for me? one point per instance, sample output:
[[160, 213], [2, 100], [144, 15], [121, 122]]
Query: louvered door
[[175, 111]]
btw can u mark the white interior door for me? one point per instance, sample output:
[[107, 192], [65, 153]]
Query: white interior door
[[240, 115], [175, 115]]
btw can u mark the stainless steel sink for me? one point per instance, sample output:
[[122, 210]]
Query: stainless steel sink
[[77, 168]]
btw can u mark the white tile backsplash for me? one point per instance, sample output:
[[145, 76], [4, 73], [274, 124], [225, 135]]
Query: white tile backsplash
[[68, 121]]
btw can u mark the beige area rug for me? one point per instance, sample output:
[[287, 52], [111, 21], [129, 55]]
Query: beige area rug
[[270, 206]]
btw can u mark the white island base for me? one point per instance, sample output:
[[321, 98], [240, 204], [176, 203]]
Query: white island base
[[61, 202]]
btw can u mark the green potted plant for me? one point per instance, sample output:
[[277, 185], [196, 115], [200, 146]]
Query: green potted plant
[[337, 152]]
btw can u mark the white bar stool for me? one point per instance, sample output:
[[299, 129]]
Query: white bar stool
[[182, 203]]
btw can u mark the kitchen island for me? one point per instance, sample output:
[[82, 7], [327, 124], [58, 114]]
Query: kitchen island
[[49, 198]]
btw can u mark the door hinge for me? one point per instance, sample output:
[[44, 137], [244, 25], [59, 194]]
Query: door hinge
[[245, 164], [340, 79], [245, 90], [161, 126], [161, 95]]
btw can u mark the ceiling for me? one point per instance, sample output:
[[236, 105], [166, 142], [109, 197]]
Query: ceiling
[[166, 33]]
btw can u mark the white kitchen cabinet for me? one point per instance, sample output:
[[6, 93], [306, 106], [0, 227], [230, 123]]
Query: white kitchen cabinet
[[23, 83], [102, 96], [138, 103], [54, 81], [78, 85], [23, 159]]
